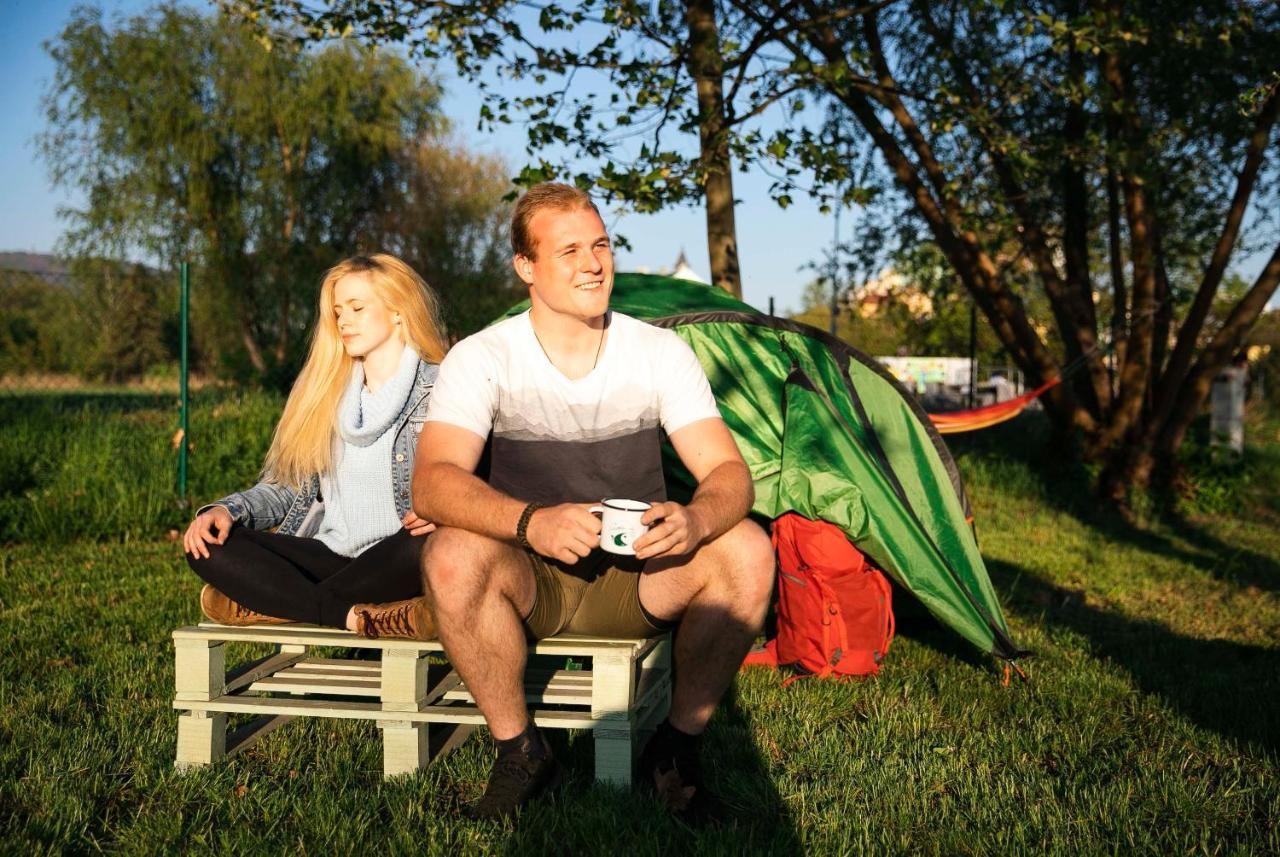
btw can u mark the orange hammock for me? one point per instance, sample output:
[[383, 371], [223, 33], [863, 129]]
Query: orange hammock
[[954, 422]]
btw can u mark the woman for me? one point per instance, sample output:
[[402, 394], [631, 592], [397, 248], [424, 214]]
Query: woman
[[336, 479]]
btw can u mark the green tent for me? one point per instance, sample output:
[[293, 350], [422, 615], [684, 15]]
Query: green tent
[[829, 434]]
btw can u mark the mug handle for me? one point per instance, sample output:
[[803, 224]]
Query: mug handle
[[596, 510]]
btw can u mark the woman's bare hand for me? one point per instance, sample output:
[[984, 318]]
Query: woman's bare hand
[[200, 534], [415, 525]]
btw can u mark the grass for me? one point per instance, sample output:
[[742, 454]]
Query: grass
[[103, 465], [1149, 724]]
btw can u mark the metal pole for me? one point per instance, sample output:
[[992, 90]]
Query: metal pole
[[973, 352], [185, 273]]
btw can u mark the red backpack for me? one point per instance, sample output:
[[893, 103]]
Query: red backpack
[[835, 612]]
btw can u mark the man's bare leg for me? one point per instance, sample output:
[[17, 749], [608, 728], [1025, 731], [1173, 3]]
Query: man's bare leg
[[721, 594], [479, 590]]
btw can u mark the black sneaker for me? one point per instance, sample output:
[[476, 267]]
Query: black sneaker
[[670, 765], [516, 779]]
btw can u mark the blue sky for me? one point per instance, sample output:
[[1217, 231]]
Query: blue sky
[[774, 245]]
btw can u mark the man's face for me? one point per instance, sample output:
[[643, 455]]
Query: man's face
[[572, 273]]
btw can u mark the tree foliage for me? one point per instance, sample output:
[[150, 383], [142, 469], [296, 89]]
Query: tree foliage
[[1097, 158], [650, 110], [38, 331], [196, 137], [1085, 140]]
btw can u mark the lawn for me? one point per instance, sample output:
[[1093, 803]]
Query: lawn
[[1148, 724]]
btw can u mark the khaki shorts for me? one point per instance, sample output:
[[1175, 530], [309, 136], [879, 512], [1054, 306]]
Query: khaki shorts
[[607, 605]]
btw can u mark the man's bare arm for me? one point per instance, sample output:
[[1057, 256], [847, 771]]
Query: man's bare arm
[[447, 492], [724, 495]]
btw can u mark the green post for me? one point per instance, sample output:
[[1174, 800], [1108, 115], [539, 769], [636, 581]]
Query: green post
[[185, 274]]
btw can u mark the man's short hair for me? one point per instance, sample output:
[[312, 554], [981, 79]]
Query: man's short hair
[[554, 196]]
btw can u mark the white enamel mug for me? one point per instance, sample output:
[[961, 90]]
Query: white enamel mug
[[620, 524]]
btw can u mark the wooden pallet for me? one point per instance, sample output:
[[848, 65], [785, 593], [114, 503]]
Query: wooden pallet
[[423, 709]]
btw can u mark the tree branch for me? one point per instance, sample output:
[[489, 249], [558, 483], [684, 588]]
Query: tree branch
[[1072, 306], [1189, 333], [976, 269], [1225, 343], [1135, 371]]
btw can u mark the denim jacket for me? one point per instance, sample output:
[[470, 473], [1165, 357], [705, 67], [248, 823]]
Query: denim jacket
[[298, 513]]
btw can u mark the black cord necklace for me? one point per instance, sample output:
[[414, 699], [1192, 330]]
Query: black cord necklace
[[599, 347]]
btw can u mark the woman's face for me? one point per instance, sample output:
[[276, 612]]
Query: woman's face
[[365, 323]]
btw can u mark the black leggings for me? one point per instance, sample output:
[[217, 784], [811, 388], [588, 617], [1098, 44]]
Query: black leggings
[[300, 579]]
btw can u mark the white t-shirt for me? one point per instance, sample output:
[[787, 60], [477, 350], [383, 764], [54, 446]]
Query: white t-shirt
[[556, 440]]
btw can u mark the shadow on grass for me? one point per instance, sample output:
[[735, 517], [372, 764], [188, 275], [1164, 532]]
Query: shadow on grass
[[1026, 442], [913, 620], [756, 819], [1230, 688]]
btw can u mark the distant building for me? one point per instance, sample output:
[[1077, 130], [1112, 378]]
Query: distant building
[[870, 299], [682, 271]]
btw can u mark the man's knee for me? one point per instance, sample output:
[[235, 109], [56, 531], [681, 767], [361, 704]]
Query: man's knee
[[453, 568], [745, 557], [460, 569]]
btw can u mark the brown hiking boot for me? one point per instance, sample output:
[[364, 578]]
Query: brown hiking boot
[[224, 611], [406, 620]]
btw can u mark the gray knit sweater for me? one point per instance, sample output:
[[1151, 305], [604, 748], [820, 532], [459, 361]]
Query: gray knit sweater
[[359, 503]]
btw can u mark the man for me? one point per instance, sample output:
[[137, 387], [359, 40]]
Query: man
[[574, 398]]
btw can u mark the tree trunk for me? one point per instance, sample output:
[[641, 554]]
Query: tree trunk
[[1189, 334], [1224, 345], [1119, 290], [251, 345], [1092, 386], [706, 66], [927, 187], [1135, 372]]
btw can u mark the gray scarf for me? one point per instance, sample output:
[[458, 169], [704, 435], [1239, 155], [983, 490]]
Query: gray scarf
[[364, 416]]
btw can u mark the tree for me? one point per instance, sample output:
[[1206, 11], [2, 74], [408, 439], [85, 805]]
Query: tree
[[1112, 149], [127, 315], [198, 137], [1013, 127], [38, 331], [450, 226], [641, 71]]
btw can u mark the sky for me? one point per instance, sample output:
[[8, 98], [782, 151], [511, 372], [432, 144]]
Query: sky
[[776, 246]]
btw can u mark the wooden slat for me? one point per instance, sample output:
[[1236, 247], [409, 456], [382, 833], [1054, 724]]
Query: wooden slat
[[353, 710], [315, 635], [341, 686], [247, 735], [550, 696], [369, 673], [561, 687], [651, 682], [341, 664], [562, 678], [247, 674], [445, 685], [310, 635]]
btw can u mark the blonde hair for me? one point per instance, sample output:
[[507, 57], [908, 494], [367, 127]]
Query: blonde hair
[[303, 441], [547, 195]]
